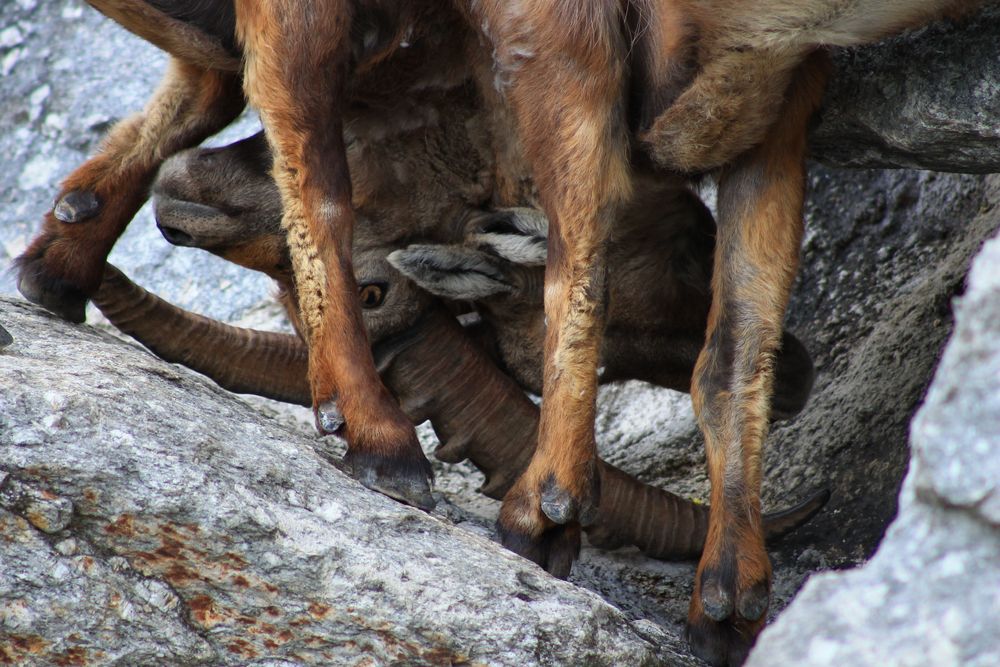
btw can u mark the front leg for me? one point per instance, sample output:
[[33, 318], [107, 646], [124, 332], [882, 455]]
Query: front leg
[[759, 232], [65, 262], [297, 81], [564, 65]]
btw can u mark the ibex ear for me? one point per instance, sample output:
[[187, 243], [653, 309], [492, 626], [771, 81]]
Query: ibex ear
[[518, 235], [454, 272]]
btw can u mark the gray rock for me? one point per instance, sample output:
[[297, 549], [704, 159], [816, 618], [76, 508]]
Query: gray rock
[[203, 533], [885, 252], [931, 594], [929, 99], [956, 435]]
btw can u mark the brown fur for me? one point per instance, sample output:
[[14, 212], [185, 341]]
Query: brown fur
[[190, 104], [747, 54], [183, 41], [760, 228], [562, 67], [318, 215]]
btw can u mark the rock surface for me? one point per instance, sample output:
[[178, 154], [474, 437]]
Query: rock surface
[[929, 99], [884, 255], [931, 595], [149, 518]]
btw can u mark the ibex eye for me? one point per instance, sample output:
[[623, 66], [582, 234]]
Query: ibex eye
[[373, 294]]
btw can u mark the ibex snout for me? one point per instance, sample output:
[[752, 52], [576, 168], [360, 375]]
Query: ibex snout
[[195, 225], [223, 200]]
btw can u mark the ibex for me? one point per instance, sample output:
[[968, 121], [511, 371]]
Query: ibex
[[224, 200], [600, 90], [439, 373]]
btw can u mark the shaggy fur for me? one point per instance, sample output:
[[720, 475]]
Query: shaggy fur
[[716, 84]]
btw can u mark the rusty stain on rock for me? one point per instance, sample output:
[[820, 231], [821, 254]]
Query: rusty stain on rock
[[123, 526], [75, 656], [242, 647], [204, 611], [319, 610], [15, 649]]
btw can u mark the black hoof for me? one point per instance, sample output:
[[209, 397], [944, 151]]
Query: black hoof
[[555, 550], [560, 506], [5, 338], [721, 597], [53, 294], [406, 480], [76, 206], [753, 603], [719, 644]]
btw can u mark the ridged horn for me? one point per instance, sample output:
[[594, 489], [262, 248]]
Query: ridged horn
[[244, 361], [666, 526]]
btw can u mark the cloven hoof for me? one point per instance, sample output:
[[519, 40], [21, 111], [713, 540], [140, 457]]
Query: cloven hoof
[[407, 480], [53, 294]]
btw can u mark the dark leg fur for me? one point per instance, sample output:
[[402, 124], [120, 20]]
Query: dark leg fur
[[760, 227]]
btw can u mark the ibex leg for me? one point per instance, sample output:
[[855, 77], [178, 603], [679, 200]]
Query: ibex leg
[[565, 65], [65, 262], [297, 80], [759, 232]]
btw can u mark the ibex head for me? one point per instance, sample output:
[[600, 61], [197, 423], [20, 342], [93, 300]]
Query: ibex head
[[224, 200]]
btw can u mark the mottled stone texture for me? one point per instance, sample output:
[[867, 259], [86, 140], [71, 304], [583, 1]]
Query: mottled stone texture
[[931, 594], [149, 518], [926, 100], [885, 253]]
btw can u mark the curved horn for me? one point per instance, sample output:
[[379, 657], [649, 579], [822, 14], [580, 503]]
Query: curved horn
[[666, 526], [499, 442], [481, 414], [241, 360]]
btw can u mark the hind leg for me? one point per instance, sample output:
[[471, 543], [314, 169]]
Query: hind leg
[[760, 229], [65, 262], [568, 99], [724, 112]]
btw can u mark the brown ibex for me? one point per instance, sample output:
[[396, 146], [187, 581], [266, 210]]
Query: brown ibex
[[439, 373], [224, 200], [701, 84]]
